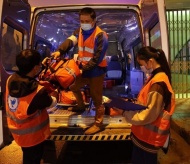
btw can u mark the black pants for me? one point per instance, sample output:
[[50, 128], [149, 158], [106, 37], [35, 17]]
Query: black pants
[[139, 156], [33, 155]]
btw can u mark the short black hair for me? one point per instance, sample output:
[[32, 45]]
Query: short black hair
[[26, 60], [88, 11]]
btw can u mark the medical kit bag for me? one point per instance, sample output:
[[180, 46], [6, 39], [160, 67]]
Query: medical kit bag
[[63, 72]]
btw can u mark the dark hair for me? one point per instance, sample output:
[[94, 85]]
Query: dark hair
[[146, 53], [26, 60], [88, 11]]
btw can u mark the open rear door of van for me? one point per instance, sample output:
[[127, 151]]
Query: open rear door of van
[[155, 24], [14, 31]]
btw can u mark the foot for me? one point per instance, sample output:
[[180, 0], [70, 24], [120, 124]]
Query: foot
[[94, 129]]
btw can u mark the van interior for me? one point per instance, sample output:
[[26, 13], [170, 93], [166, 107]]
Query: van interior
[[125, 37]]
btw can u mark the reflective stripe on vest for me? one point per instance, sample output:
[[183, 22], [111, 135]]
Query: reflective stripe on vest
[[30, 129], [19, 121], [87, 49], [158, 130]]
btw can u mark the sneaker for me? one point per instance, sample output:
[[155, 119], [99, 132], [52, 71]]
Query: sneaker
[[78, 109], [94, 129]]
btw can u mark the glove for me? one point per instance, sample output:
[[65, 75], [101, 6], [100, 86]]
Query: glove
[[46, 62], [56, 55]]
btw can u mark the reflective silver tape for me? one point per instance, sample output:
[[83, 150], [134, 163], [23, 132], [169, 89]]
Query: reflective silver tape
[[70, 71], [87, 49], [90, 50], [30, 129], [157, 129], [21, 121]]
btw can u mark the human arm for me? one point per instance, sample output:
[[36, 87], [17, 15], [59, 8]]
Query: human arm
[[157, 98], [41, 101], [64, 47], [154, 107]]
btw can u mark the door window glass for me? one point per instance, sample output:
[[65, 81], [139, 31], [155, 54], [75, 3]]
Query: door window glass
[[11, 46]]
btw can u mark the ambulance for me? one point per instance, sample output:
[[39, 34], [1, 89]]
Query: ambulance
[[130, 24]]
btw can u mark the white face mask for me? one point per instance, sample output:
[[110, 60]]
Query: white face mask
[[86, 26], [145, 70]]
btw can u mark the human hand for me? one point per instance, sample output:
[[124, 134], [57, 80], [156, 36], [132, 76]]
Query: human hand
[[55, 55], [46, 62]]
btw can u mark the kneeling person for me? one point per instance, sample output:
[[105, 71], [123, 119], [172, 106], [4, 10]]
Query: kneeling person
[[27, 100]]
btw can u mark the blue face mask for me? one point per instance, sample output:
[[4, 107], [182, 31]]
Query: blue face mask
[[86, 26]]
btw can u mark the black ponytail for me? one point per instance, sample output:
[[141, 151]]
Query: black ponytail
[[164, 63]]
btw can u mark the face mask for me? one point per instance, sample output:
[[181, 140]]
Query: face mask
[[86, 26], [145, 70]]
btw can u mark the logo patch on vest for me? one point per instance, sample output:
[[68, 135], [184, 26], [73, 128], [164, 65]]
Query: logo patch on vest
[[12, 103]]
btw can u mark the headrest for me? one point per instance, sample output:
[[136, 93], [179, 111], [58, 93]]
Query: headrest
[[114, 58]]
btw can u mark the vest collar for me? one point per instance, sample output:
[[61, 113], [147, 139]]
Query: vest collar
[[157, 70]]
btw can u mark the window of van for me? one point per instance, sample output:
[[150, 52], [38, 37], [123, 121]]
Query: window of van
[[155, 37], [11, 46], [56, 26]]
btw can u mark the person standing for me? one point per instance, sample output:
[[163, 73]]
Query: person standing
[[26, 103], [151, 127], [92, 45]]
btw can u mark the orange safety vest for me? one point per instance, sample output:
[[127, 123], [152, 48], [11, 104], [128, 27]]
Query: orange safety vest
[[86, 48], [27, 130], [157, 132]]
